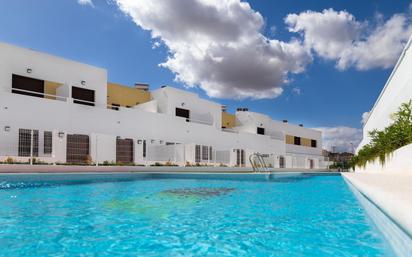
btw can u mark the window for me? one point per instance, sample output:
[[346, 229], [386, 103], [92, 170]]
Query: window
[[21, 84], [297, 141], [115, 107], [205, 153], [197, 153], [183, 113], [144, 148], [260, 131], [83, 96], [47, 142], [313, 143], [25, 143]]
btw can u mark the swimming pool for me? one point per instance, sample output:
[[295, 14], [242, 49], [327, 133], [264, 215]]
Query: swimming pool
[[301, 215]]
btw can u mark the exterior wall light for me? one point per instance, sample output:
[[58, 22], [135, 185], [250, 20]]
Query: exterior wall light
[[61, 134], [139, 142], [29, 70], [7, 128], [83, 83], [183, 104]]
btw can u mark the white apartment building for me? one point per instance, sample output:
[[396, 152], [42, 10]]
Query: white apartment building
[[61, 111]]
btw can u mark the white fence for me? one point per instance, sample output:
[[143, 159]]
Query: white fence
[[36, 146], [56, 147]]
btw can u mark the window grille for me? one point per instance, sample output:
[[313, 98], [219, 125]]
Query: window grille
[[197, 153], [25, 143], [205, 153], [124, 151], [47, 142], [78, 149]]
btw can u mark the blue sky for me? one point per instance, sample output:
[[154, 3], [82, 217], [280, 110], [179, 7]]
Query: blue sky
[[316, 91]]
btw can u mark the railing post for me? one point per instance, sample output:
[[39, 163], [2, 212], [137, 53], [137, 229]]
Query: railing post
[[31, 146], [97, 159], [184, 155]]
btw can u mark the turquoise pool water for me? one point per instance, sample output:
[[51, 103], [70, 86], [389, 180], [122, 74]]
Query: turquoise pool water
[[286, 216]]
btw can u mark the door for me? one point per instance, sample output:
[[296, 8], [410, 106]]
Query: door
[[281, 162], [124, 151], [78, 149], [311, 164]]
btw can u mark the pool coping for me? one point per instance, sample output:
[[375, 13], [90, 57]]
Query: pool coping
[[398, 238], [23, 168], [385, 199]]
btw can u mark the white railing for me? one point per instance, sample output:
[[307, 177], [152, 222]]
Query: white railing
[[201, 122], [229, 130], [196, 121], [277, 135], [79, 101], [52, 97]]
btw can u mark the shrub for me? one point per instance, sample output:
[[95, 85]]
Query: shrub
[[383, 143]]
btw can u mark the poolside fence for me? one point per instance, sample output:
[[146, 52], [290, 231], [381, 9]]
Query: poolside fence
[[56, 147]]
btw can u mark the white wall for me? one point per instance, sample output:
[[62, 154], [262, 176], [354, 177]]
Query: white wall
[[398, 89], [15, 60], [20, 111], [399, 162], [249, 121], [170, 98]]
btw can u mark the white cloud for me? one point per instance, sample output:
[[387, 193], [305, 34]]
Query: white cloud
[[218, 46], [85, 2], [340, 139], [338, 36]]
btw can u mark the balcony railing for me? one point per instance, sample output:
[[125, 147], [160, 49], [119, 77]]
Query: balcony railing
[[229, 130], [84, 102], [38, 94]]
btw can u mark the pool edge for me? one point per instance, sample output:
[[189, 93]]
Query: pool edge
[[394, 232]]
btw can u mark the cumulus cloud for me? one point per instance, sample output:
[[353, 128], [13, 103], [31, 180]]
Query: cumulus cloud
[[85, 2], [338, 36], [218, 46], [340, 139]]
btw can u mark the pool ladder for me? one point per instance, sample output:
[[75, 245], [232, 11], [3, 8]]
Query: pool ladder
[[258, 162]]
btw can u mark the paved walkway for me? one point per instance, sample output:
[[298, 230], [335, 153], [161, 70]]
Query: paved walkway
[[391, 192]]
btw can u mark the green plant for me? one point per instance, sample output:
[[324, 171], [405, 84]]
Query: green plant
[[384, 142]]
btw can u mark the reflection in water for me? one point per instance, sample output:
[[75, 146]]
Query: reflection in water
[[160, 205], [199, 191]]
